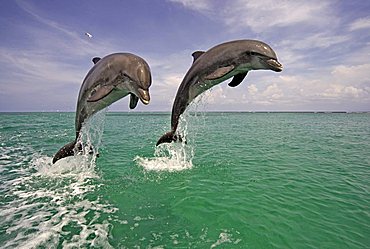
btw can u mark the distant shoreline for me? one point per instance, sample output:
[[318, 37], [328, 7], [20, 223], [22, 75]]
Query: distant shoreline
[[165, 112]]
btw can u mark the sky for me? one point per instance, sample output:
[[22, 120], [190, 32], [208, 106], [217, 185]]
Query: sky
[[323, 45]]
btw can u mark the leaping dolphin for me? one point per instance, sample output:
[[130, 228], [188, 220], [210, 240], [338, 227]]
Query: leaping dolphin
[[110, 79], [226, 60]]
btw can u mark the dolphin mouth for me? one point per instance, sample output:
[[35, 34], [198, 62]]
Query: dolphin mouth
[[274, 65], [144, 96]]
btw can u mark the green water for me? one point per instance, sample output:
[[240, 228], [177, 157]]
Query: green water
[[243, 180]]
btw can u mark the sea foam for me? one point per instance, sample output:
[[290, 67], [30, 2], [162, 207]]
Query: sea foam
[[48, 203], [168, 157], [178, 156]]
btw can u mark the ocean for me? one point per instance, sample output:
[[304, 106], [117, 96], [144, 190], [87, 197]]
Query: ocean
[[242, 180]]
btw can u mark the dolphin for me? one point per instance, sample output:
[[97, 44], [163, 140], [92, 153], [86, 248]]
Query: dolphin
[[230, 59], [110, 79]]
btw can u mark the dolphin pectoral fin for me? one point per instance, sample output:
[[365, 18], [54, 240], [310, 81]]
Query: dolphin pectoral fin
[[65, 151], [238, 79], [196, 55], [96, 59], [133, 100], [222, 71], [100, 93]]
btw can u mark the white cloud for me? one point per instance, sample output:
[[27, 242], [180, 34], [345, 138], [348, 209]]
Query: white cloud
[[167, 74], [28, 8], [164, 88], [54, 51], [337, 88], [355, 73], [339, 91], [340, 84], [252, 89], [267, 14], [361, 23], [273, 92], [215, 96], [340, 87], [264, 96], [199, 5], [320, 68], [53, 65], [318, 40], [58, 39], [264, 14], [39, 67], [355, 92]]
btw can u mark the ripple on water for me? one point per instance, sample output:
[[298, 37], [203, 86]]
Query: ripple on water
[[54, 205]]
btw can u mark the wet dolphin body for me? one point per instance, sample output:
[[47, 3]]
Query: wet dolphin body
[[110, 79], [231, 59]]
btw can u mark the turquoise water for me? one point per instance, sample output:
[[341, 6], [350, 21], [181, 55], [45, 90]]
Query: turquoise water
[[243, 180]]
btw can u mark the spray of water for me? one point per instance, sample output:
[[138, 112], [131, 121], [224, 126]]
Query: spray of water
[[90, 137], [170, 156], [177, 156], [53, 205]]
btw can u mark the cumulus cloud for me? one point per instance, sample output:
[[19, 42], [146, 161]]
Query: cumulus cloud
[[264, 95], [323, 62], [341, 92], [352, 73], [252, 89], [273, 92], [339, 87], [346, 84]]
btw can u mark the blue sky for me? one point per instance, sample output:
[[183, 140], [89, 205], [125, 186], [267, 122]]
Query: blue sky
[[323, 45]]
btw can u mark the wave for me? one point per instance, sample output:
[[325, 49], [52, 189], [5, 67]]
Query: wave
[[54, 205]]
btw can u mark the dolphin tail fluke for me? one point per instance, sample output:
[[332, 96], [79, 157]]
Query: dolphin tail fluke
[[169, 137], [166, 138], [65, 151]]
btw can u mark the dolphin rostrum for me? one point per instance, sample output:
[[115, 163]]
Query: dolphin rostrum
[[231, 59], [110, 79]]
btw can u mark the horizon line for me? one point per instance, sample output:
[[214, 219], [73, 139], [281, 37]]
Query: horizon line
[[133, 112]]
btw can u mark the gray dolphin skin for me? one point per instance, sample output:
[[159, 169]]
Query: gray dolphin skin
[[231, 59], [110, 79]]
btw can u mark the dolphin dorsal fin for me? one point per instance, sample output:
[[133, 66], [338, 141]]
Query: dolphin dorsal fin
[[96, 59], [196, 55]]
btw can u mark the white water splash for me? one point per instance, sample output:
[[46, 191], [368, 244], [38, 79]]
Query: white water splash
[[76, 167], [54, 205], [49, 203], [91, 136], [177, 156], [168, 157], [225, 237]]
